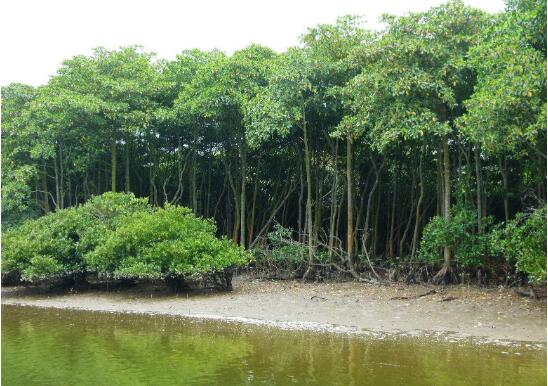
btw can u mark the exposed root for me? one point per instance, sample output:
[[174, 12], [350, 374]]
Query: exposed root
[[448, 299], [445, 276], [431, 292]]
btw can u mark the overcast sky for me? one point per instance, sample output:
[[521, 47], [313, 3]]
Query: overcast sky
[[37, 35]]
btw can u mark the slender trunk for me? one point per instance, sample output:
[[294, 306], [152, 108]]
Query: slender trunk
[[408, 223], [242, 193], [207, 191], [69, 189], [300, 229], [61, 178], [308, 215], [369, 199], [57, 187], [127, 180], [446, 197], [419, 203], [114, 165], [393, 217], [235, 196], [479, 201], [439, 186], [359, 214], [333, 202], [275, 210], [350, 207], [504, 172], [45, 187], [85, 187], [193, 182], [376, 214], [339, 211], [252, 221], [318, 208]]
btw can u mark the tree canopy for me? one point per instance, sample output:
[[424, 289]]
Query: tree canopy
[[360, 145]]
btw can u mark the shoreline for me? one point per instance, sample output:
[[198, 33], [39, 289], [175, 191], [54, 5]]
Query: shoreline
[[481, 315]]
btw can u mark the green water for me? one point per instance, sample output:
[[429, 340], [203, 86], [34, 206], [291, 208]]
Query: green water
[[58, 347]]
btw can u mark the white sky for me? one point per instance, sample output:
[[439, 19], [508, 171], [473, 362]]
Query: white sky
[[37, 35]]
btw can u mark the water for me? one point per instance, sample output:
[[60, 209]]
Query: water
[[61, 347]]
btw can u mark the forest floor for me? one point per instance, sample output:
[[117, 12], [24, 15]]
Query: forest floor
[[483, 314]]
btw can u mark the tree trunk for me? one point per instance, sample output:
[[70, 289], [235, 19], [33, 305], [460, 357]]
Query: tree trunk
[[318, 208], [350, 206], [300, 229], [445, 275], [242, 193], [193, 181], [419, 203], [504, 172], [127, 179], [393, 217], [114, 165], [439, 186], [252, 220], [409, 218], [479, 201], [235, 195], [308, 214], [369, 199], [376, 216], [61, 178], [57, 185], [333, 202], [45, 188]]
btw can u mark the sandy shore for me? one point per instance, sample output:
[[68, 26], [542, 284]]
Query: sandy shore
[[486, 314]]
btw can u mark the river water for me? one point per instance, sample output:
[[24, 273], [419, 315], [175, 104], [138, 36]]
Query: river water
[[62, 347]]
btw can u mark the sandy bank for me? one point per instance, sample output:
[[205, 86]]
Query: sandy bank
[[491, 314]]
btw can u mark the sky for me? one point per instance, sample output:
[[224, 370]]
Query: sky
[[38, 35]]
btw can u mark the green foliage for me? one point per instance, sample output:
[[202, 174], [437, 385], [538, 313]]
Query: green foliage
[[460, 233], [52, 247], [284, 249], [507, 109], [522, 242], [117, 235], [45, 248], [167, 242], [234, 136]]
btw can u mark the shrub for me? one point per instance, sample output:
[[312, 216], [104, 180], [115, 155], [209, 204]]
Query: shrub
[[281, 255], [522, 242], [120, 236], [459, 233], [285, 250], [52, 247], [169, 242], [43, 249]]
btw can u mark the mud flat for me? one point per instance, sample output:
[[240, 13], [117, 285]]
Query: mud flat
[[490, 315]]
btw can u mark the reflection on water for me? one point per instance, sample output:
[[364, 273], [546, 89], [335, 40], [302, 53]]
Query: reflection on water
[[60, 347]]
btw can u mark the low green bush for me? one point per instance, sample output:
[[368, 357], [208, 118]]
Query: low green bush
[[167, 243], [522, 242], [285, 250], [117, 235], [51, 248], [281, 255], [460, 234]]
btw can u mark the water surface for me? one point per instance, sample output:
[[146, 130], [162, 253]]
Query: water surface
[[62, 347]]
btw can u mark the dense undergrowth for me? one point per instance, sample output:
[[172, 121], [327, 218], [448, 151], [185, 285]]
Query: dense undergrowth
[[504, 253], [117, 236]]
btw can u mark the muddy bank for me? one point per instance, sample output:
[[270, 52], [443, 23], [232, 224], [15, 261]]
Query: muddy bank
[[492, 314]]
